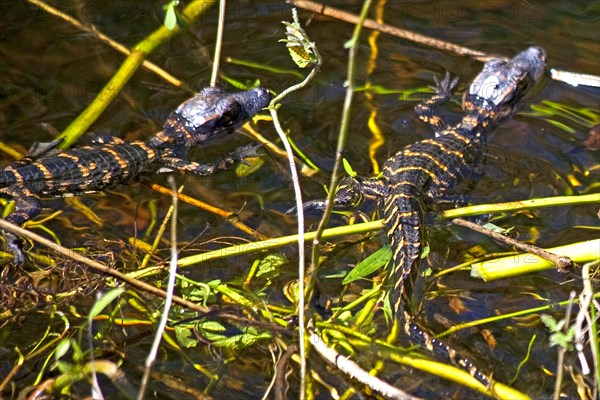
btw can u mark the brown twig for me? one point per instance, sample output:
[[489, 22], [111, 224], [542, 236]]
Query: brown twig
[[281, 374], [391, 30], [562, 262], [572, 78], [228, 215]]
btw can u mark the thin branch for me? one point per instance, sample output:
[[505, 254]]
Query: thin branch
[[164, 318], [562, 262], [218, 43], [342, 138], [296, 33], [227, 215], [336, 13]]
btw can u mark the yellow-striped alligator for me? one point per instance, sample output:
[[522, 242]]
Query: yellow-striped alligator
[[427, 171], [110, 161]]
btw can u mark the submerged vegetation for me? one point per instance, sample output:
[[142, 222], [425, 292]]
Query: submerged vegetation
[[245, 315]]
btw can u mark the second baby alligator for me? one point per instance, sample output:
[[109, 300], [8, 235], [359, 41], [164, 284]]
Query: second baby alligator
[[426, 172], [110, 161]]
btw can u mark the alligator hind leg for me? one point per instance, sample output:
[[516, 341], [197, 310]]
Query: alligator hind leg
[[28, 205], [205, 169], [427, 111]]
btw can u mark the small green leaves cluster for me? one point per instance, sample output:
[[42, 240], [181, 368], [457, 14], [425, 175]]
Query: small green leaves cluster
[[298, 44], [559, 337]]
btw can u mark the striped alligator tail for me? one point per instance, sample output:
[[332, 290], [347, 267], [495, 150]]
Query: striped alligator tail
[[402, 222]]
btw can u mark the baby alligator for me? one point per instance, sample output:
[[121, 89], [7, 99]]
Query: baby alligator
[[426, 172], [111, 161]]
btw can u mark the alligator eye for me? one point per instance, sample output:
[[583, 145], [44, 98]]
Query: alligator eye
[[231, 116], [517, 72]]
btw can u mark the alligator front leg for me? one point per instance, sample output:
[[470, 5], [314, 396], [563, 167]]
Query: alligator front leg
[[205, 169], [350, 193], [28, 205], [427, 111]]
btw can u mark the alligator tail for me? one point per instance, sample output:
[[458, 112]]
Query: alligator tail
[[403, 216], [403, 224]]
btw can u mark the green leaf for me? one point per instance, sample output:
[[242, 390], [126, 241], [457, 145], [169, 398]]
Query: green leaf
[[300, 47], [104, 301], [249, 166], [217, 334], [348, 168], [184, 337], [171, 15], [62, 348], [268, 267], [369, 265]]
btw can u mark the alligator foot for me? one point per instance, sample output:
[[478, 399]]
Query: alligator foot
[[15, 247], [444, 87]]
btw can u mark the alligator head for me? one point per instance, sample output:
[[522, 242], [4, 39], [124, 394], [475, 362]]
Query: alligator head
[[210, 113], [502, 83]]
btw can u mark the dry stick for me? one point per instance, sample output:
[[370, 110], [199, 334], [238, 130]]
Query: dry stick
[[562, 262], [280, 391], [91, 29], [68, 253], [228, 215], [391, 30]]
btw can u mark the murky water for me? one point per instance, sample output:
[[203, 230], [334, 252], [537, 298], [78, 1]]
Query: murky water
[[50, 71]]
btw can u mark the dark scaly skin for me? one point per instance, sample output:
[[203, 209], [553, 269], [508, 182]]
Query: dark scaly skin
[[426, 172], [110, 161]]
